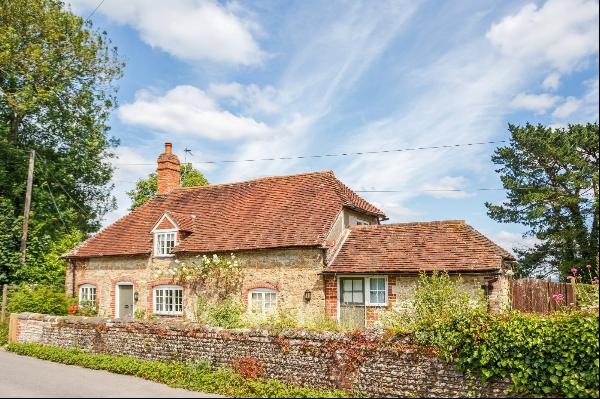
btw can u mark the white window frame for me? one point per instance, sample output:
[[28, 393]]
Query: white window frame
[[163, 312], [362, 222], [83, 287], [368, 291], [157, 233], [262, 291]]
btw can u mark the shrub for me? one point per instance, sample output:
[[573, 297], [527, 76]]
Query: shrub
[[227, 313], [437, 299], [38, 299], [4, 333], [176, 374], [556, 354]]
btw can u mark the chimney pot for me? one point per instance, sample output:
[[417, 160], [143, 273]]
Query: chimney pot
[[168, 175]]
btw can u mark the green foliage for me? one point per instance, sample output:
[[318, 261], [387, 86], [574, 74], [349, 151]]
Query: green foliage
[[226, 313], [194, 376], [551, 178], [57, 89], [555, 354], [38, 299], [587, 295], [145, 189], [437, 299], [4, 333]]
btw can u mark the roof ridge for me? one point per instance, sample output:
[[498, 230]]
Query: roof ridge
[[430, 222], [320, 172]]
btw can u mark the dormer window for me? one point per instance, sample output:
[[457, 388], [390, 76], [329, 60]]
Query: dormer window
[[164, 242], [165, 233]]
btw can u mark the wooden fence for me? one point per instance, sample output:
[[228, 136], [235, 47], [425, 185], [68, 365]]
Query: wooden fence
[[535, 296]]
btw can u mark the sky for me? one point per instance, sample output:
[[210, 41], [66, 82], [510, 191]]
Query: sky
[[265, 79]]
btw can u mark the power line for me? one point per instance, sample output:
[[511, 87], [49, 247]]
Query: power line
[[94, 11], [56, 207], [50, 176], [343, 154], [435, 190]]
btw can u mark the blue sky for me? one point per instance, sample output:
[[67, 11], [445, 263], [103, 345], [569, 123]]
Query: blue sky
[[236, 80]]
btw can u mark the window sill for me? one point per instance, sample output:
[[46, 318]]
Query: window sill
[[168, 314], [164, 256]]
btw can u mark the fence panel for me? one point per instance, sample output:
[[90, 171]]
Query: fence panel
[[535, 296]]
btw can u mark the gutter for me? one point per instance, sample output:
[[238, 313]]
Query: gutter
[[412, 273]]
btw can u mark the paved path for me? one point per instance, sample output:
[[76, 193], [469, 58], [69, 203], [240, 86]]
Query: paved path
[[27, 377]]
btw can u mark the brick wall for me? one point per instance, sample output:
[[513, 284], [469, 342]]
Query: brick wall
[[372, 364]]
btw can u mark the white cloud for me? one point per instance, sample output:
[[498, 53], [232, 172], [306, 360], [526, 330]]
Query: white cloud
[[538, 103], [251, 98], [189, 110], [552, 81], [510, 241], [452, 187], [192, 30], [567, 108], [561, 33]]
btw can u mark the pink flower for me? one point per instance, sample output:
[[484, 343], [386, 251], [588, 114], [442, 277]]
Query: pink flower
[[558, 297], [574, 270], [570, 277], [588, 266], [579, 278]]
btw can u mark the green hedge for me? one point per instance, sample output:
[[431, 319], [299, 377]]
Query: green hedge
[[195, 377], [38, 299], [556, 354]]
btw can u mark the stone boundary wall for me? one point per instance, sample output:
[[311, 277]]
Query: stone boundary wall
[[367, 363]]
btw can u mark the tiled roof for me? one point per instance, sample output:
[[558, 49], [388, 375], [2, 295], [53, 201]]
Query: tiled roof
[[413, 247], [272, 212]]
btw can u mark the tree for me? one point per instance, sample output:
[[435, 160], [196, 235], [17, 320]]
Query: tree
[[57, 89], [551, 178], [146, 188]]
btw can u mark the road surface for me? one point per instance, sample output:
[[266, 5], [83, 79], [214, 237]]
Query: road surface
[[28, 377]]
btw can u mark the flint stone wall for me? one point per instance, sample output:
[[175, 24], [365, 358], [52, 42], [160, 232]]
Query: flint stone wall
[[368, 363]]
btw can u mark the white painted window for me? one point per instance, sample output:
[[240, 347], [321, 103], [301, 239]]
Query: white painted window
[[168, 300], [164, 241], [360, 222], [262, 300], [377, 291], [87, 294]]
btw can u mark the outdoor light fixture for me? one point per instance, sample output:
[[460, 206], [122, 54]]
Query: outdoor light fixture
[[136, 296], [307, 295]]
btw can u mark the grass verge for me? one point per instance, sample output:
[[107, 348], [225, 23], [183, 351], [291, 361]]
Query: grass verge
[[192, 376]]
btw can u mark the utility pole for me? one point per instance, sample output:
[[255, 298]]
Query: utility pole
[[27, 206]]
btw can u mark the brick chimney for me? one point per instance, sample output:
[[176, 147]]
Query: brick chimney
[[168, 171]]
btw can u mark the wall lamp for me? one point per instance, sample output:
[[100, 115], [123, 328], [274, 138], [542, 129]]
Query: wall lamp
[[307, 295]]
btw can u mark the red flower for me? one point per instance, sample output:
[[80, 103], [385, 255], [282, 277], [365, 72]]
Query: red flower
[[73, 308]]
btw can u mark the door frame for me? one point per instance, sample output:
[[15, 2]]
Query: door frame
[[339, 294], [366, 286], [117, 298]]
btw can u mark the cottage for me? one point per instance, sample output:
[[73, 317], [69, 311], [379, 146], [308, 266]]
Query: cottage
[[306, 242]]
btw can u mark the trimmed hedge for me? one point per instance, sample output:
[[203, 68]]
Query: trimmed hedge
[[195, 376], [555, 354]]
